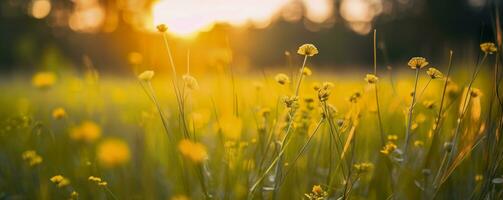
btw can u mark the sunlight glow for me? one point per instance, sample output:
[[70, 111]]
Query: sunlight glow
[[40, 8], [188, 17]]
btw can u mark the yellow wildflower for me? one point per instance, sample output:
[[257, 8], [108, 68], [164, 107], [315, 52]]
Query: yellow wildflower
[[231, 126], [316, 86], [113, 152], [388, 148], [392, 138], [434, 73], [32, 158], [317, 193], [94, 179], [479, 177], [74, 195], [135, 58], [146, 75], [190, 82], [418, 143], [363, 167], [488, 47], [87, 131], [58, 113], [324, 91], [180, 197], [475, 92], [282, 79], [307, 50], [417, 63], [264, 112], [195, 151], [43, 80], [306, 71], [371, 78], [199, 119], [60, 181], [162, 28], [475, 104], [429, 104]]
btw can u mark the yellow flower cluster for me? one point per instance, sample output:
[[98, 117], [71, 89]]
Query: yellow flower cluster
[[60, 181], [74, 195], [113, 152], [231, 126], [87, 131], [58, 113], [388, 148], [98, 181], [371, 78], [282, 79], [32, 158], [291, 102], [317, 193], [488, 47], [392, 138], [418, 143], [324, 91], [195, 151], [479, 177], [43, 80], [363, 167], [306, 71]]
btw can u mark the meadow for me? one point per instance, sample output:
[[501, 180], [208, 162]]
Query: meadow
[[418, 130]]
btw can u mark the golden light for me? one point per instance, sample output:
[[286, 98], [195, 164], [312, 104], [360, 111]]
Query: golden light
[[360, 13], [188, 17], [318, 11], [40, 8], [88, 16]]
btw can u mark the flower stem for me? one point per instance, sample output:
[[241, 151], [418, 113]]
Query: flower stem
[[409, 120], [301, 75]]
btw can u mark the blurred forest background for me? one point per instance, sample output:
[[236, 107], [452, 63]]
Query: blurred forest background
[[64, 34]]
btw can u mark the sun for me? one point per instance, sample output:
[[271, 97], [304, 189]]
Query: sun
[[187, 18]]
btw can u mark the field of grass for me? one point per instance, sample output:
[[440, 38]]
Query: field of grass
[[405, 133]]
